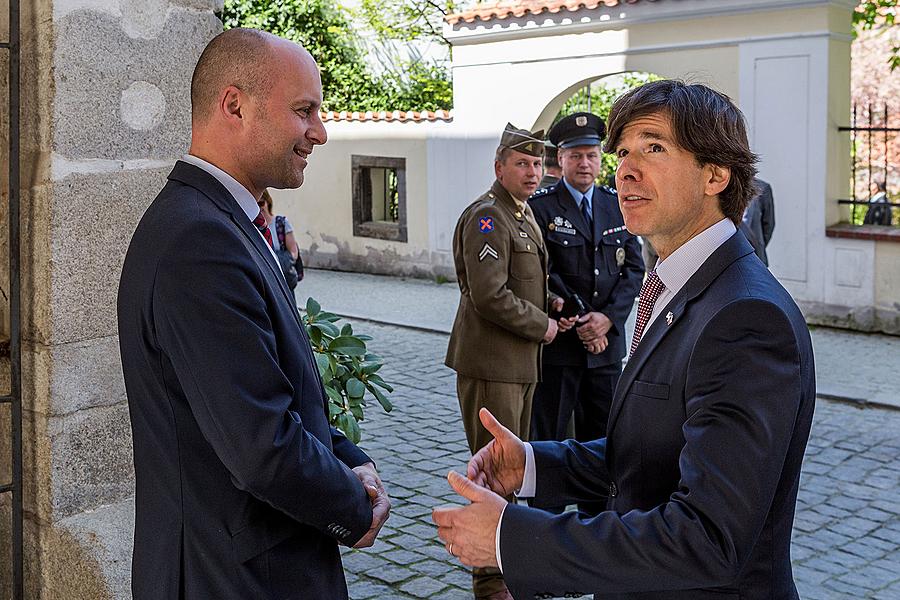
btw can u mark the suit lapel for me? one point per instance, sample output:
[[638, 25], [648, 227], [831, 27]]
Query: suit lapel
[[734, 248], [221, 197]]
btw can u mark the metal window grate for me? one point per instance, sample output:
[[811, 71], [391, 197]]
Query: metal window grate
[[14, 399], [870, 133]]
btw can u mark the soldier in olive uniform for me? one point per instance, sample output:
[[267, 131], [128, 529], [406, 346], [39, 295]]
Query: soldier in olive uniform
[[591, 254], [501, 266]]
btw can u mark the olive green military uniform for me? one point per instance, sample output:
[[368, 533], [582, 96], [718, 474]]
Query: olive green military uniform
[[495, 345]]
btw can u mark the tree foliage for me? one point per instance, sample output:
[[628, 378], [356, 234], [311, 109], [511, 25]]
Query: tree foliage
[[407, 20], [348, 82], [880, 15], [598, 98]]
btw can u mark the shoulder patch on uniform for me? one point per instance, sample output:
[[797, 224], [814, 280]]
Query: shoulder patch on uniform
[[486, 251], [485, 224]]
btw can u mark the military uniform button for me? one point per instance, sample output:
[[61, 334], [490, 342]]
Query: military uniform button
[[595, 294], [565, 242], [596, 271], [613, 490]]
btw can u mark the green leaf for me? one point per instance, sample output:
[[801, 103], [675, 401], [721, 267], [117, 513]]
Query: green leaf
[[327, 328], [355, 388], [347, 424], [370, 367], [382, 399], [347, 329], [348, 345], [312, 307], [334, 395], [324, 365], [315, 335], [357, 412], [333, 409], [364, 337], [377, 380]]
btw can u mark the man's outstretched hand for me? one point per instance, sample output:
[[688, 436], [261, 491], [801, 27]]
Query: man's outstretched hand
[[469, 532], [381, 504], [499, 466]]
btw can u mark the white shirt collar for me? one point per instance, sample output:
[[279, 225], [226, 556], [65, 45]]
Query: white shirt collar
[[241, 194], [681, 265]]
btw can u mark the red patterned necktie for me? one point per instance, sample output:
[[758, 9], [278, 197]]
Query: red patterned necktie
[[650, 291], [260, 222]]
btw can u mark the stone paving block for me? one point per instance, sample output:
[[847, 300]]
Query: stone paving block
[[423, 587], [390, 574]]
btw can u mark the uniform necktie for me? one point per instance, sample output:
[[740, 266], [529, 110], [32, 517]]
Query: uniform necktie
[[260, 222], [650, 291], [586, 211]]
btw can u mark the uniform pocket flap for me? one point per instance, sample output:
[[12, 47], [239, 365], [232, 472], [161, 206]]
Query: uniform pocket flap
[[651, 390], [561, 239]]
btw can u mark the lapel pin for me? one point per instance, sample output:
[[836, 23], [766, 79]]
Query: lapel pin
[[669, 318]]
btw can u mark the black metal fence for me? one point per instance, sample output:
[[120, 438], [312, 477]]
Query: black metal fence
[[874, 167], [13, 347]]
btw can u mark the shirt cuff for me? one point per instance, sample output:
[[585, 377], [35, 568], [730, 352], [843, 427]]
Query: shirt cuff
[[529, 484], [497, 540]]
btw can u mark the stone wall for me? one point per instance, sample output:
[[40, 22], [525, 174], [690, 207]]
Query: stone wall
[[105, 112]]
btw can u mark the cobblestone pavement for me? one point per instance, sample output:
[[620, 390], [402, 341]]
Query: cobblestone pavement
[[847, 531]]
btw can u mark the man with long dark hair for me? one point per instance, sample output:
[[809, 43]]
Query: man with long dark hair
[[710, 419]]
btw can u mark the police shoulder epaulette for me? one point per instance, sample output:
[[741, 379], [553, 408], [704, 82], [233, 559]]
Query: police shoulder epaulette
[[541, 192], [609, 190]]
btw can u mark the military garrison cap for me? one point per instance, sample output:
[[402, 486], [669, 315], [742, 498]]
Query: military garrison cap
[[578, 129], [522, 140]]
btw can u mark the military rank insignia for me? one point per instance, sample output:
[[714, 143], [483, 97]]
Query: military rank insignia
[[485, 224], [613, 230], [486, 251]]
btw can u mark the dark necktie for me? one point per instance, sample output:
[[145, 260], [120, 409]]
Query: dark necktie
[[586, 211], [650, 291], [260, 222]]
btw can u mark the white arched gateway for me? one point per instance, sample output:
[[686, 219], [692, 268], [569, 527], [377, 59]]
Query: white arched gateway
[[785, 62]]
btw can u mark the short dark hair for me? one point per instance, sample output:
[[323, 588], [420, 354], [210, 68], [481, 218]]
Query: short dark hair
[[551, 157], [705, 122]]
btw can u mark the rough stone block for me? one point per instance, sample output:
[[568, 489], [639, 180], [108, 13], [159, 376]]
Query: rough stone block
[[91, 461], [92, 222], [86, 375], [99, 58]]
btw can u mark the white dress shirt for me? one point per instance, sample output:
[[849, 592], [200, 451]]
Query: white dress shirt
[[241, 194], [674, 272]]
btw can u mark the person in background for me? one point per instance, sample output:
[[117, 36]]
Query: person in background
[[759, 219], [281, 232]]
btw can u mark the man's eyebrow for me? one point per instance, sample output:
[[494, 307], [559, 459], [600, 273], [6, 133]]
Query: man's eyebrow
[[653, 135]]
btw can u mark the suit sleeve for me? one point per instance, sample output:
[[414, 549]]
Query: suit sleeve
[[628, 286], [569, 472], [488, 277], [212, 320], [742, 398]]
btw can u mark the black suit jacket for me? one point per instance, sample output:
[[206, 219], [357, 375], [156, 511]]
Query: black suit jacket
[[759, 219], [582, 260], [706, 436], [243, 490]]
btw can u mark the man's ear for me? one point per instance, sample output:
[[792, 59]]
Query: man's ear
[[718, 178], [231, 104], [497, 169]]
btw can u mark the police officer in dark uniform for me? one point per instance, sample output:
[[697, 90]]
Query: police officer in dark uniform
[[591, 256]]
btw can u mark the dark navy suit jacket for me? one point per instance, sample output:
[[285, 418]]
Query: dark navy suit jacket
[[701, 461], [243, 488]]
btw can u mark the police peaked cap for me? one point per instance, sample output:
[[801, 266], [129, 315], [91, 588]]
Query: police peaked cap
[[578, 129]]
